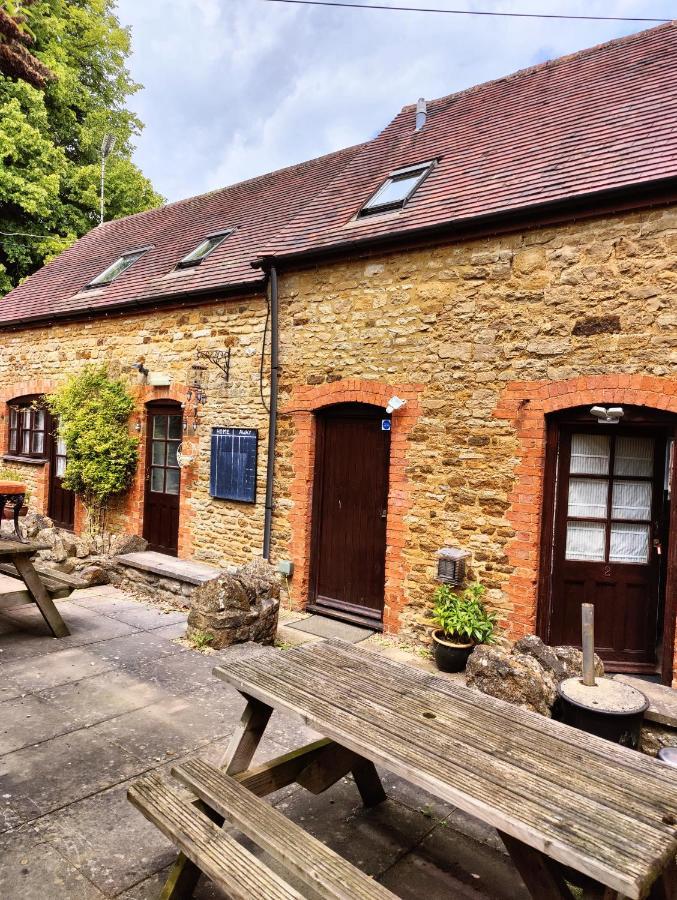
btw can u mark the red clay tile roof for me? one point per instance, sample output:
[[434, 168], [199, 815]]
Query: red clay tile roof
[[257, 209], [601, 119], [604, 118]]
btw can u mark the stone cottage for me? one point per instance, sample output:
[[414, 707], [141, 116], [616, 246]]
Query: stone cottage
[[462, 334]]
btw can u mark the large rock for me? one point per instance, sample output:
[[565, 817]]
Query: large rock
[[526, 674], [127, 543], [515, 677], [234, 609], [562, 662]]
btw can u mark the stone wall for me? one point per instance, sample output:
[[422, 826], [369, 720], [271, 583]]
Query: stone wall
[[216, 531], [471, 334], [584, 310]]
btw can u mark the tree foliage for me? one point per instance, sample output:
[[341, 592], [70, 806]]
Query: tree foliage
[[93, 411], [50, 139], [16, 60]]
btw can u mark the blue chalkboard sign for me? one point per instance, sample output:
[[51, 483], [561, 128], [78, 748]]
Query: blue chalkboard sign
[[232, 474]]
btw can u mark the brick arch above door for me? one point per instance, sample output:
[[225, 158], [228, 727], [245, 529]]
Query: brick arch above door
[[308, 399], [525, 404]]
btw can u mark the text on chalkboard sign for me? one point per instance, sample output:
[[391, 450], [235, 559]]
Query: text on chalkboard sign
[[232, 473]]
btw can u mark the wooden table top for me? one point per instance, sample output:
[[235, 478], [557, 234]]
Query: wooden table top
[[9, 546], [607, 811]]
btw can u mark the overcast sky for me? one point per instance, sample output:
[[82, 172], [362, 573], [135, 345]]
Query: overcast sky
[[235, 88]]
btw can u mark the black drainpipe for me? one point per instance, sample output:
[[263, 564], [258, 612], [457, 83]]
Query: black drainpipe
[[272, 414]]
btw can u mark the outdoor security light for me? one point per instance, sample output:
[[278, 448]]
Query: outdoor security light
[[610, 416], [395, 403], [140, 368]]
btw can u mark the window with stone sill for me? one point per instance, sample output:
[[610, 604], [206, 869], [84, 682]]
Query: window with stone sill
[[28, 426]]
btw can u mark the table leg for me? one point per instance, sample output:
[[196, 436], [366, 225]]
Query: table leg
[[184, 874], [665, 886], [39, 594], [538, 872], [368, 782]]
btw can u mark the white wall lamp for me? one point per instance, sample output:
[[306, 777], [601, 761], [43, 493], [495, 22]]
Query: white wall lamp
[[395, 403], [607, 416]]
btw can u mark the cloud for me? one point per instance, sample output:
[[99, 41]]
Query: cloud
[[235, 88]]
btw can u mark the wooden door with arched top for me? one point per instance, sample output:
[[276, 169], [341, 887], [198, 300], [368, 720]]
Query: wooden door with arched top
[[164, 429], [350, 503]]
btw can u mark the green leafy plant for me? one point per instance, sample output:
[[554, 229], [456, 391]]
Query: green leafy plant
[[93, 411], [462, 616], [200, 639]]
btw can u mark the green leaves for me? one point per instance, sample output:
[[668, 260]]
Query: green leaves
[[50, 139], [93, 411], [462, 616]]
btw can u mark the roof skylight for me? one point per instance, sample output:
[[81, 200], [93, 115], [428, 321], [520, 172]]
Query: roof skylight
[[396, 189], [117, 268], [210, 243]]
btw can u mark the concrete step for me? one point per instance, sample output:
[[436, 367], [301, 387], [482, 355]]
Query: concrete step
[[184, 570], [662, 699]]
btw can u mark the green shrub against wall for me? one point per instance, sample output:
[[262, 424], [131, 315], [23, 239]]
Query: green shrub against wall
[[93, 411]]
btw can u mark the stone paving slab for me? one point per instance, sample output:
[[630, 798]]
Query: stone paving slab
[[82, 717]]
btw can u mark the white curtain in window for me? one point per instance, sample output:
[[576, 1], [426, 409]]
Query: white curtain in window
[[589, 454], [585, 541], [629, 543], [634, 456], [631, 500], [588, 498]]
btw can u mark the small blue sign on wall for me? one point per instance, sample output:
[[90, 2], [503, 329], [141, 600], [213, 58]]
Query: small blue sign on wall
[[385, 424], [232, 473]]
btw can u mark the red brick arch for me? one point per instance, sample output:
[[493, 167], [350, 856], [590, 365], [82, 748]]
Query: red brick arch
[[306, 400], [526, 404]]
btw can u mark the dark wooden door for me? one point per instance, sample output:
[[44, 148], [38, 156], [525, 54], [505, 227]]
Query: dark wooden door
[[61, 501], [163, 479], [349, 512], [607, 542]]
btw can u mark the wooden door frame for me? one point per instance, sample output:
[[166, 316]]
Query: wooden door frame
[[151, 408], [321, 415], [640, 416], [52, 437]]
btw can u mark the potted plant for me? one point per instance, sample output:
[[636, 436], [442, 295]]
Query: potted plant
[[462, 622]]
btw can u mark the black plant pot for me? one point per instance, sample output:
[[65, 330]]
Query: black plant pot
[[450, 657]]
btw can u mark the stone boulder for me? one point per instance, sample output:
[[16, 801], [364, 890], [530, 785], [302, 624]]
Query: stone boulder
[[517, 678], [237, 608], [127, 543], [526, 674], [562, 662]]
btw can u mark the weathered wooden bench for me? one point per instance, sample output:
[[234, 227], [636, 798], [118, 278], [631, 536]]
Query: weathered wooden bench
[[230, 865], [15, 560]]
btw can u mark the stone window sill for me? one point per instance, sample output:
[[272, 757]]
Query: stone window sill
[[26, 460]]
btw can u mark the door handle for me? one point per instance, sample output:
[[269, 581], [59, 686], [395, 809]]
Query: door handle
[[384, 514]]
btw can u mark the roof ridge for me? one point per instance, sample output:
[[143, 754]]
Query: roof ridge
[[546, 64], [197, 197]]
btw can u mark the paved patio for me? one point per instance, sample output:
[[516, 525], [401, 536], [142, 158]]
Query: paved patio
[[82, 716]]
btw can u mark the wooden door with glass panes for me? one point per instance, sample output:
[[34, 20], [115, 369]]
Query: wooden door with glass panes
[[607, 542], [163, 478], [61, 503]]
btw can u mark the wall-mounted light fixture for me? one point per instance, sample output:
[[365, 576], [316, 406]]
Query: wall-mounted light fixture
[[607, 416], [395, 403], [141, 369], [451, 564]]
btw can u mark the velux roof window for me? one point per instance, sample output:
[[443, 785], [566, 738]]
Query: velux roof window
[[210, 243], [117, 268], [396, 189]]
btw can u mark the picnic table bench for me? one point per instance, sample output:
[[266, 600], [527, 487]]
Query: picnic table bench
[[570, 807], [15, 559]]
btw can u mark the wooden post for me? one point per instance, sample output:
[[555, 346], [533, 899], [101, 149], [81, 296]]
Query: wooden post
[[588, 640]]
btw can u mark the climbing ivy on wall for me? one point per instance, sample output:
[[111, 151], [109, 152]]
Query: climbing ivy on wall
[[93, 411]]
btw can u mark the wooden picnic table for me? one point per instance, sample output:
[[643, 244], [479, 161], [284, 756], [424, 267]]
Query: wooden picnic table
[[19, 554], [564, 802]]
